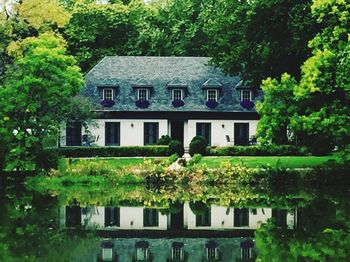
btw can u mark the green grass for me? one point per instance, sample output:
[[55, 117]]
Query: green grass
[[259, 161], [113, 163]]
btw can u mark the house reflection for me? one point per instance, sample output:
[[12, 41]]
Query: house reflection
[[207, 218], [177, 250]]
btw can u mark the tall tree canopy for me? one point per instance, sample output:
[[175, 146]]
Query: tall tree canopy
[[258, 39]]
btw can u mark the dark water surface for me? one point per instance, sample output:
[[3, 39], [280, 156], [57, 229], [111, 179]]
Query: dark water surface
[[139, 223]]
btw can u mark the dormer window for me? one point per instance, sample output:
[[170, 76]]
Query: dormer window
[[142, 94], [177, 94], [212, 95], [245, 95], [107, 94]]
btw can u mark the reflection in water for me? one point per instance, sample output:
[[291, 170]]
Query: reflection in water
[[175, 249], [210, 218], [306, 225]]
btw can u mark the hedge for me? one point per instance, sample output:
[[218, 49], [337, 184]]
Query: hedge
[[271, 150], [117, 151]]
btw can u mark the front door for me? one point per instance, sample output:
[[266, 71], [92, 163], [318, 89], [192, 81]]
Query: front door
[[112, 134], [177, 218], [177, 131], [241, 134], [73, 134]]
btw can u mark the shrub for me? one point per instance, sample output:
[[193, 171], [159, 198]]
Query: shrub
[[269, 150], [194, 160], [198, 145], [175, 147], [164, 140], [121, 151]]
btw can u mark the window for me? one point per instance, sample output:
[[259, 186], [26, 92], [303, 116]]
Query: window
[[245, 95], [241, 217], [112, 134], [107, 94], [142, 94], [203, 220], [279, 217], [150, 217], [246, 253], [177, 94], [212, 95], [204, 129], [112, 216], [177, 253], [151, 131], [241, 135]]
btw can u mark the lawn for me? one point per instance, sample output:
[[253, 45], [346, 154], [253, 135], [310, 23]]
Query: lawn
[[283, 161]]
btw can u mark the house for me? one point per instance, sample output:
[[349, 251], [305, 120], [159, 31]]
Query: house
[[140, 98]]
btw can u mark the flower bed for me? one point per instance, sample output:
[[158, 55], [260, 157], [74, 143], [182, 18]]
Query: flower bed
[[142, 103], [107, 103], [211, 104], [178, 103]]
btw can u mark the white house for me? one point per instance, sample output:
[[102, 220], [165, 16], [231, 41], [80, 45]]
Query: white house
[[139, 99]]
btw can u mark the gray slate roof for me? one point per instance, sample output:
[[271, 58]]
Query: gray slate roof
[[163, 73]]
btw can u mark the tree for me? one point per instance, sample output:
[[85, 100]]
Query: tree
[[258, 39], [316, 108], [109, 29], [37, 93]]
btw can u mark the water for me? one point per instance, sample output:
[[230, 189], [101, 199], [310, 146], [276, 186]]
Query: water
[[171, 223]]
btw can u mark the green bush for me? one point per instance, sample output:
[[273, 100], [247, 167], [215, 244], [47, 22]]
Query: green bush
[[164, 140], [175, 147], [198, 145], [194, 160], [120, 151], [270, 150]]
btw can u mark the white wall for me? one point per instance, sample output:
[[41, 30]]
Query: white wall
[[94, 217], [223, 218], [219, 130], [131, 130], [132, 218]]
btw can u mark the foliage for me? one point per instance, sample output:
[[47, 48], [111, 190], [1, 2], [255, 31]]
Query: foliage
[[194, 160], [164, 140], [314, 111], [259, 150], [198, 145], [273, 126], [39, 14], [37, 93], [244, 42], [176, 147], [120, 151]]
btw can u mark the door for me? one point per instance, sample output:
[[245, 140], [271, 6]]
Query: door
[[112, 134], [241, 135], [177, 131], [73, 133], [150, 133], [73, 216], [204, 129]]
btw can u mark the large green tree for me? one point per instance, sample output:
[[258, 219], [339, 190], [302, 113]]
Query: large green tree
[[316, 109], [258, 39], [36, 94]]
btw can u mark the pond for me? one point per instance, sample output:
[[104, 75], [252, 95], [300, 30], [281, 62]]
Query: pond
[[171, 223]]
